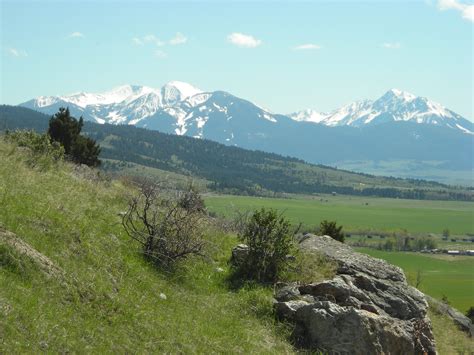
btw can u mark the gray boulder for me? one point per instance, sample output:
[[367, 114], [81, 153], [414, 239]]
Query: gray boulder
[[239, 254], [367, 308]]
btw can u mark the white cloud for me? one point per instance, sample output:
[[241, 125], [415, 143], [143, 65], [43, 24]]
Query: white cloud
[[467, 11], [17, 52], [179, 38], [137, 41], [76, 35], [152, 39], [307, 46], [160, 54], [393, 45], [242, 40]]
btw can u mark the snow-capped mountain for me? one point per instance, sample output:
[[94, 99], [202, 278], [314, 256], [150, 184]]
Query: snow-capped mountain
[[395, 105], [397, 127], [124, 104], [180, 108], [309, 115], [177, 108]]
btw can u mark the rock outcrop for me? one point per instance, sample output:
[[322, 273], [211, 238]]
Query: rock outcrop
[[461, 321], [367, 308], [41, 261], [239, 254]]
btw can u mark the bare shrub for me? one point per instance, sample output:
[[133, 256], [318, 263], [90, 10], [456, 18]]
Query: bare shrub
[[169, 227]]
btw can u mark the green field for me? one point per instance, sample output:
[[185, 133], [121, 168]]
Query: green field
[[360, 213], [440, 275]]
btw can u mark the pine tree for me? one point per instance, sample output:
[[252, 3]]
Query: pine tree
[[66, 130]]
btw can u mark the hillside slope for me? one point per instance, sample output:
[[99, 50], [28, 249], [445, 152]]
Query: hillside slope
[[101, 296], [72, 281], [231, 169]]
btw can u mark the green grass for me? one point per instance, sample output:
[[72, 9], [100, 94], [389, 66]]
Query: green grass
[[377, 241], [359, 213], [109, 300], [441, 275]]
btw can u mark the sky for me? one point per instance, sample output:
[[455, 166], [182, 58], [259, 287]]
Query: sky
[[284, 56]]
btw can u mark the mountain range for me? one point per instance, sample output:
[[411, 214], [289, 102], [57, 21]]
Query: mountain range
[[191, 107], [398, 134]]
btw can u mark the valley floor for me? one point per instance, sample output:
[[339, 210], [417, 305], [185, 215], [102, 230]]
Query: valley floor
[[451, 277], [363, 214]]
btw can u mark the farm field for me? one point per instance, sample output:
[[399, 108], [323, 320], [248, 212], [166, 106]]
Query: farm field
[[451, 276], [360, 213], [461, 243]]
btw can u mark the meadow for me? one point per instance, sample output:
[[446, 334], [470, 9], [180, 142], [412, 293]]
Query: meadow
[[441, 275], [360, 213]]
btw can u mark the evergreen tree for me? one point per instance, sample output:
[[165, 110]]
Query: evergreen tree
[[85, 151], [331, 229], [66, 130]]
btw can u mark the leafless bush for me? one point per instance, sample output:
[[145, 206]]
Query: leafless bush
[[169, 227]]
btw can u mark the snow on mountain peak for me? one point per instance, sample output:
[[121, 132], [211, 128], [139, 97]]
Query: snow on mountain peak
[[308, 115], [187, 104], [401, 94], [175, 91], [116, 95], [394, 105]]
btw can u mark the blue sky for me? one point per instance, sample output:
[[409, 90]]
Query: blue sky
[[284, 56]]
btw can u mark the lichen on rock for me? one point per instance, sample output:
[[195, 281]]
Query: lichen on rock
[[367, 308]]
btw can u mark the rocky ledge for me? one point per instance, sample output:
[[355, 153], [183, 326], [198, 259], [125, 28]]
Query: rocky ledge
[[367, 308]]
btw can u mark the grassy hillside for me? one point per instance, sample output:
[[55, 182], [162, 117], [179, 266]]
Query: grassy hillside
[[362, 213], [104, 296], [71, 281], [231, 169]]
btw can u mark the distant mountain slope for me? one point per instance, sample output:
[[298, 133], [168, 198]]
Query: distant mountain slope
[[395, 105], [232, 169]]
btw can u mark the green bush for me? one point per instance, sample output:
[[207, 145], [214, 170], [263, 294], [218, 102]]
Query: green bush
[[43, 150], [270, 241], [331, 229]]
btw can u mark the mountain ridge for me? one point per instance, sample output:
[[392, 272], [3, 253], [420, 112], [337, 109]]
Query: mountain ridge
[[395, 105], [131, 104]]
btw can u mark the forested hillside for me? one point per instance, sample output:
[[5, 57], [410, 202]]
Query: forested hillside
[[231, 169]]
